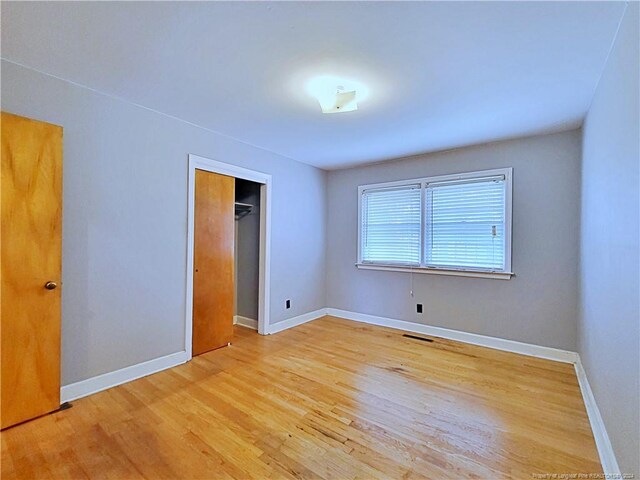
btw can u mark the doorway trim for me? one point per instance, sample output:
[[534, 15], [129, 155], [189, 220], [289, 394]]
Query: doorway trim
[[214, 166]]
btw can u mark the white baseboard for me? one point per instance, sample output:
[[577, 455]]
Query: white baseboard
[[473, 338], [245, 322], [93, 385], [295, 321], [605, 450]]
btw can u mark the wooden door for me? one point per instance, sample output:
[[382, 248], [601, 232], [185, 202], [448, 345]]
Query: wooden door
[[213, 275], [31, 211]]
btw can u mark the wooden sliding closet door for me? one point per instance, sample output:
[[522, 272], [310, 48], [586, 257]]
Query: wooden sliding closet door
[[213, 276], [31, 267]]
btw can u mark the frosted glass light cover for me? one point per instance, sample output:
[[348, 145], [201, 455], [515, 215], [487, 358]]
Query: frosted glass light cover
[[341, 102], [336, 94]]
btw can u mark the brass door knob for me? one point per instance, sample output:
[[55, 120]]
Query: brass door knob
[[50, 285]]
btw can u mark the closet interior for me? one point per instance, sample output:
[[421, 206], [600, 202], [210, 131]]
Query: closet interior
[[247, 252]]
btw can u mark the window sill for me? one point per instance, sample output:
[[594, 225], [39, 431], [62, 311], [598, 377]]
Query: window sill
[[437, 271]]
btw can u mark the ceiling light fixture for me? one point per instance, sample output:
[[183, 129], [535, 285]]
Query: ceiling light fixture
[[336, 94]]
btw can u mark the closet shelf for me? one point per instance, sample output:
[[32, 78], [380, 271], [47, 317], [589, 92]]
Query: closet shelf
[[243, 209]]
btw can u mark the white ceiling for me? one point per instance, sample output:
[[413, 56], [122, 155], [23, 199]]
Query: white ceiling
[[440, 74]]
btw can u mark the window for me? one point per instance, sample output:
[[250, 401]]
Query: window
[[453, 224]]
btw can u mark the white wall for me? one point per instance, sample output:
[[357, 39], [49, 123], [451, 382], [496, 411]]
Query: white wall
[[608, 333], [124, 222], [538, 305]]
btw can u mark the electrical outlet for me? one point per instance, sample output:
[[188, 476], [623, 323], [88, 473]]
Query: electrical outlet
[[419, 308], [287, 304]]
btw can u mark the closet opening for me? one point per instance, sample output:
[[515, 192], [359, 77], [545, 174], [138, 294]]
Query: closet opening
[[247, 253]]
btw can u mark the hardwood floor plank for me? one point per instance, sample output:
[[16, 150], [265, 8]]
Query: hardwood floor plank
[[331, 399]]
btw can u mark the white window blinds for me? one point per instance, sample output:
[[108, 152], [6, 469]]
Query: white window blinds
[[465, 224], [390, 225]]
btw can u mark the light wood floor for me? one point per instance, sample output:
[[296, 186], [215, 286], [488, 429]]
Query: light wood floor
[[328, 399]]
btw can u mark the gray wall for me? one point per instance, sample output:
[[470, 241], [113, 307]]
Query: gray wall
[[125, 222], [248, 251], [538, 305], [608, 335]]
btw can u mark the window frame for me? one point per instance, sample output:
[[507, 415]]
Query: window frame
[[504, 274]]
